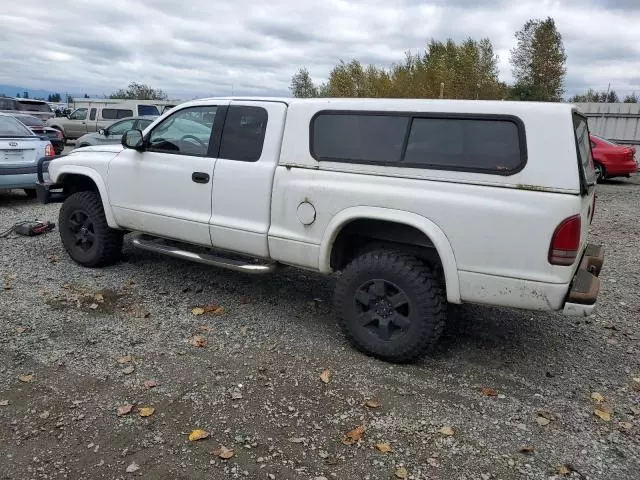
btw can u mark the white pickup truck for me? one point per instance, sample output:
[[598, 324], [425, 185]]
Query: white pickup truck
[[418, 203]]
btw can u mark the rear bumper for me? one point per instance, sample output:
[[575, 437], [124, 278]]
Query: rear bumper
[[585, 286], [621, 169]]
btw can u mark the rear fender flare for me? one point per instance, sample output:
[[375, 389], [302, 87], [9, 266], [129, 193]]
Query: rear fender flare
[[426, 226]]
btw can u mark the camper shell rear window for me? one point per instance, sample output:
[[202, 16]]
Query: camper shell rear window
[[492, 144]]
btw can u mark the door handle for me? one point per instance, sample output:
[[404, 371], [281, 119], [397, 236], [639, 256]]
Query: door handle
[[200, 177]]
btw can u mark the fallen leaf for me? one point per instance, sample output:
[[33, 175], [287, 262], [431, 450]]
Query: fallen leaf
[[542, 421], [372, 403], [146, 411], [198, 435], [244, 300], [244, 329], [134, 467], [401, 473], [197, 311], [98, 297], [597, 397], [527, 449], [124, 409], [20, 329], [298, 440], [44, 415], [129, 370], [223, 452], [149, 384], [635, 410], [384, 447], [564, 470], [448, 431], [125, 359], [546, 414], [354, 436], [325, 376], [26, 378], [635, 384], [4, 403], [203, 328], [138, 311], [606, 416], [7, 284], [236, 394], [626, 425], [489, 392], [198, 341], [93, 306]]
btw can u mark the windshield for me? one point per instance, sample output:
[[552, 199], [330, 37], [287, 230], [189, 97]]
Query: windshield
[[34, 106], [12, 128], [581, 128], [30, 121]]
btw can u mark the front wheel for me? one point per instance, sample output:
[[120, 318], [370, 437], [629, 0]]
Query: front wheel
[[31, 192], [391, 305], [84, 231]]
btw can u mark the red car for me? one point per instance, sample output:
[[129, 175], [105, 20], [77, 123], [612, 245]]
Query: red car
[[612, 160]]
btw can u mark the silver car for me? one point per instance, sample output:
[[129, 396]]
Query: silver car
[[20, 150], [113, 133]]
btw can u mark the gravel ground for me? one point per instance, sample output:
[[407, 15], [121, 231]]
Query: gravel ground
[[77, 344]]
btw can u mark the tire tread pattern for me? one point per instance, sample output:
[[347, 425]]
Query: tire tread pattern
[[109, 239], [425, 285]]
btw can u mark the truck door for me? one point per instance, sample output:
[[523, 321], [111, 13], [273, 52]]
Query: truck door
[[243, 176]]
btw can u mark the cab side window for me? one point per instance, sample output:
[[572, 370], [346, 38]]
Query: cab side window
[[186, 132], [79, 114], [243, 133]]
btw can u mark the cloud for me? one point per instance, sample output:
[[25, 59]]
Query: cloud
[[198, 47]]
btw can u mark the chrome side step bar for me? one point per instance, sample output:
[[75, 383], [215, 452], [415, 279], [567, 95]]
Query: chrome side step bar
[[159, 245]]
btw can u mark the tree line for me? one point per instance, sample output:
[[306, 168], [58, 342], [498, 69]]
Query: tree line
[[465, 70]]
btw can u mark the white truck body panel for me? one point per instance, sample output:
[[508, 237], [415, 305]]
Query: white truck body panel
[[492, 232]]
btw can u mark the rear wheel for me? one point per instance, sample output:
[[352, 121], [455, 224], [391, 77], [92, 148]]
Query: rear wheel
[[31, 192], [391, 305], [85, 233]]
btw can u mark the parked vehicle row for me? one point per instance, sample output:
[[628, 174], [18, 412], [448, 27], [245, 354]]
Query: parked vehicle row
[[38, 127], [92, 119], [37, 108]]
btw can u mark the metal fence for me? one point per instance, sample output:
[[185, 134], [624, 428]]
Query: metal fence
[[619, 122]]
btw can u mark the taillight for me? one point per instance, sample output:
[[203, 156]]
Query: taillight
[[48, 150], [565, 242]]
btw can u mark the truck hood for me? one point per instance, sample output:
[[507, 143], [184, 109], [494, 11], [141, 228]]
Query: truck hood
[[112, 148]]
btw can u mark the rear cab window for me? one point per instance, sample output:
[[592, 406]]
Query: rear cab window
[[491, 144], [583, 152]]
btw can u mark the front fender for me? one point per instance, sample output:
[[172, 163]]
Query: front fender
[[60, 172], [423, 224]]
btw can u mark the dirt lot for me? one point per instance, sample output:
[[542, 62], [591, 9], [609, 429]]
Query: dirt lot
[[77, 344]]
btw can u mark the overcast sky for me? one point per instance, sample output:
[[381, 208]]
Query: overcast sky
[[204, 47]]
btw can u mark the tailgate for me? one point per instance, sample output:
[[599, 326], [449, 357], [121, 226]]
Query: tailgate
[[18, 152]]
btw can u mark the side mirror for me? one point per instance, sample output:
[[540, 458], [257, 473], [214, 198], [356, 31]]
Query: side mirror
[[133, 139], [104, 132]]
